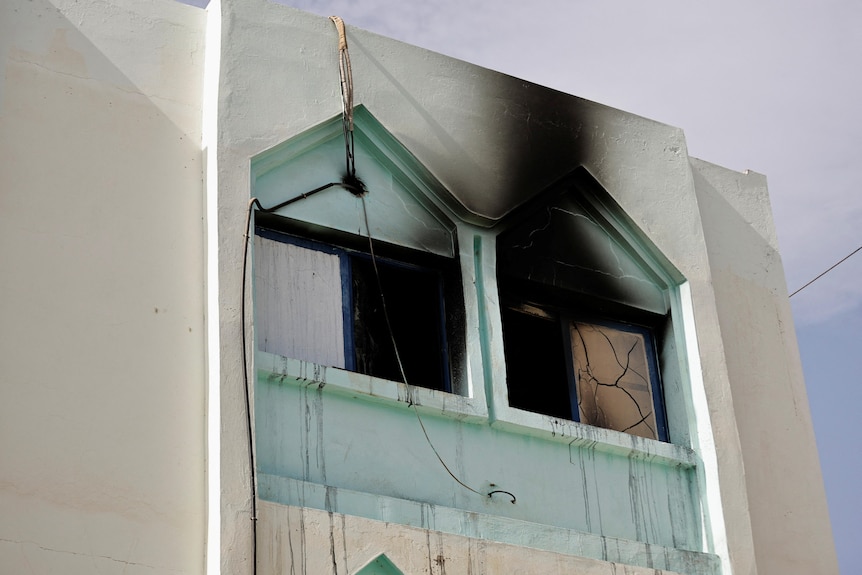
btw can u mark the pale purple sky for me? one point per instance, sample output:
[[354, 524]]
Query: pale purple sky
[[773, 86]]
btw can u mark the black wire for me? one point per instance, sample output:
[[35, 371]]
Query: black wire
[[245, 378], [490, 493], [841, 261], [251, 458], [251, 204], [409, 387], [355, 186]]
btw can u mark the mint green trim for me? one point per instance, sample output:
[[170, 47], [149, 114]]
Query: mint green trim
[[279, 370], [638, 244], [406, 204], [380, 565], [484, 340]]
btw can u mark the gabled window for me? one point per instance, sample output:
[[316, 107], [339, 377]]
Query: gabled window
[[583, 311], [317, 296], [321, 302]]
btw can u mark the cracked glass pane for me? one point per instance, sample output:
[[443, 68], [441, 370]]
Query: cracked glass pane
[[612, 377]]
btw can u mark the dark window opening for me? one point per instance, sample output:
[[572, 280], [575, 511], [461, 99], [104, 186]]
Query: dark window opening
[[414, 304], [581, 302], [536, 363], [596, 371]]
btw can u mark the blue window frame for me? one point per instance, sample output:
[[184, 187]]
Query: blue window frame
[[572, 366], [416, 302]]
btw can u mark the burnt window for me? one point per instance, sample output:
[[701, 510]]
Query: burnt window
[[584, 306], [598, 372], [415, 306], [324, 303]]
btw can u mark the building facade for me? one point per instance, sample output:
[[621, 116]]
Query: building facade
[[461, 324]]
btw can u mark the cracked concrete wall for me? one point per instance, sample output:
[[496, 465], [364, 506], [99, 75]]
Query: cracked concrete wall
[[101, 243]]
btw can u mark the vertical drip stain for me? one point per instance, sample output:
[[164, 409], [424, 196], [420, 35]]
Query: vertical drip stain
[[428, 549], [671, 506], [596, 491], [459, 457], [344, 540], [290, 544], [305, 432], [653, 525], [441, 555], [318, 412], [330, 503], [635, 501], [584, 488], [648, 554], [302, 548]]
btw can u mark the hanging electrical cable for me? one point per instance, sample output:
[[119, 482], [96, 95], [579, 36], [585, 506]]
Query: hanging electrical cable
[[247, 388], [835, 265], [412, 403], [254, 202], [345, 72], [355, 186], [346, 77]]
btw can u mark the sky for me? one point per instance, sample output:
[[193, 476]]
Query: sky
[[772, 86]]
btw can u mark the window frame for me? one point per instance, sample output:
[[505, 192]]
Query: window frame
[[588, 301], [564, 317], [346, 256]]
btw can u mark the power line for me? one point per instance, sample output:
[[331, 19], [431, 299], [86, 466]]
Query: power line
[[841, 261]]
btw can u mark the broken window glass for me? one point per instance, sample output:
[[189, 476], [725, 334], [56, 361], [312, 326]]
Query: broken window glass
[[612, 376], [602, 373], [580, 310]]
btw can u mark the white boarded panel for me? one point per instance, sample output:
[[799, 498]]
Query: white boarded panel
[[298, 302]]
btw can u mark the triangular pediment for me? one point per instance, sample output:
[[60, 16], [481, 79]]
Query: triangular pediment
[[576, 238], [380, 565], [403, 197]]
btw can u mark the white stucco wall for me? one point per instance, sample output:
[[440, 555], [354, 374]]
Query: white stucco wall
[[781, 470], [101, 289]]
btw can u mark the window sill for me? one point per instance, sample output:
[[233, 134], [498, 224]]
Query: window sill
[[286, 371], [580, 435], [278, 369]]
